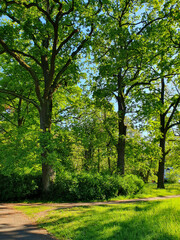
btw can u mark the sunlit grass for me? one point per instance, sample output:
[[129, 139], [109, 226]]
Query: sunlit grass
[[33, 212], [157, 220], [150, 190]]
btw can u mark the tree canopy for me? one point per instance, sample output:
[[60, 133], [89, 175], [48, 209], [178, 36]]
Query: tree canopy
[[88, 85]]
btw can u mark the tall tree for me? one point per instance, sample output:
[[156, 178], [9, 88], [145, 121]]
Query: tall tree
[[45, 38], [124, 55], [168, 119], [160, 106]]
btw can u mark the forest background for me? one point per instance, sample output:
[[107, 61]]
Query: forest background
[[89, 94]]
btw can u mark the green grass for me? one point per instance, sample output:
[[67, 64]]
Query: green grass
[[156, 220], [150, 190], [33, 211]]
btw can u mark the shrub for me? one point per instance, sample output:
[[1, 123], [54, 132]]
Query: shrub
[[17, 187], [69, 186], [130, 184], [87, 186], [64, 188], [172, 177]]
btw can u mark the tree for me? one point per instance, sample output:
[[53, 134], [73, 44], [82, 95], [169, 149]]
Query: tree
[[45, 38], [160, 106], [165, 93], [125, 54]]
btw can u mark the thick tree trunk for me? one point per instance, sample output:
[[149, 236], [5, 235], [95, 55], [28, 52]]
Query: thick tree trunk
[[121, 148], [48, 176], [48, 173], [161, 164]]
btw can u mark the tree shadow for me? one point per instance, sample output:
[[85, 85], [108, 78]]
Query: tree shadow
[[137, 226], [26, 232]]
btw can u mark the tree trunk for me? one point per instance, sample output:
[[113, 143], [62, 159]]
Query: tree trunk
[[20, 118], [98, 168], [161, 165], [121, 148], [48, 173], [162, 140], [121, 126], [108, 157]]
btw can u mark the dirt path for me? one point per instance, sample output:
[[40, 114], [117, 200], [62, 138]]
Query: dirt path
[[70, 205], [15, 225]]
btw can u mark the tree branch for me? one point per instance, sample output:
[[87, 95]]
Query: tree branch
[[55, 52], [25, 66], [20, 96], [145, 26], [40, 9], [166, 153], [70, 9], [124, 11], [66, 40], [8, 120], [174, 124], [27, 55], [170, 106], [13, 18], [146, 83], [56, 84], [172, 114], [31, 5]]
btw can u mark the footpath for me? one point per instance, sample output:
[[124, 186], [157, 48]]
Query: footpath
[[16, 225]]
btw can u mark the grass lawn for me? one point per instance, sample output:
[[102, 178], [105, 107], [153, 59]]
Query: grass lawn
[[150, 190], [156, 220]]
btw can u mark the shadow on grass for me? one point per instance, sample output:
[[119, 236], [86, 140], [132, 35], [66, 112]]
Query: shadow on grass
[[139, 221]]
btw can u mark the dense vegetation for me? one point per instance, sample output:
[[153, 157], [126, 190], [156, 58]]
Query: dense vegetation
[[90, 97]]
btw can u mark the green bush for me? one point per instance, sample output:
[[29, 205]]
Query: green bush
[[130, 184], [172, 177], [64, 188], [69, 187], [17, 187], [87, 186]]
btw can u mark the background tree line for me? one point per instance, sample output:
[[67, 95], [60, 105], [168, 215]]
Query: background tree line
[[89, 86]]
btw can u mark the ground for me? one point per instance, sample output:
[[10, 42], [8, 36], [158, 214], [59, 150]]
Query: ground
[[15, 225]]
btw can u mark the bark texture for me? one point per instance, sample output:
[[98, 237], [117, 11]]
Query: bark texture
[[48, 173]]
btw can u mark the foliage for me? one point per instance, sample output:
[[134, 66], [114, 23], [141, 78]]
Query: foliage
[[87, 186], [130, 184], [142, 154], [150, 190], [173, 176], [130, 53], [17, 187]]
